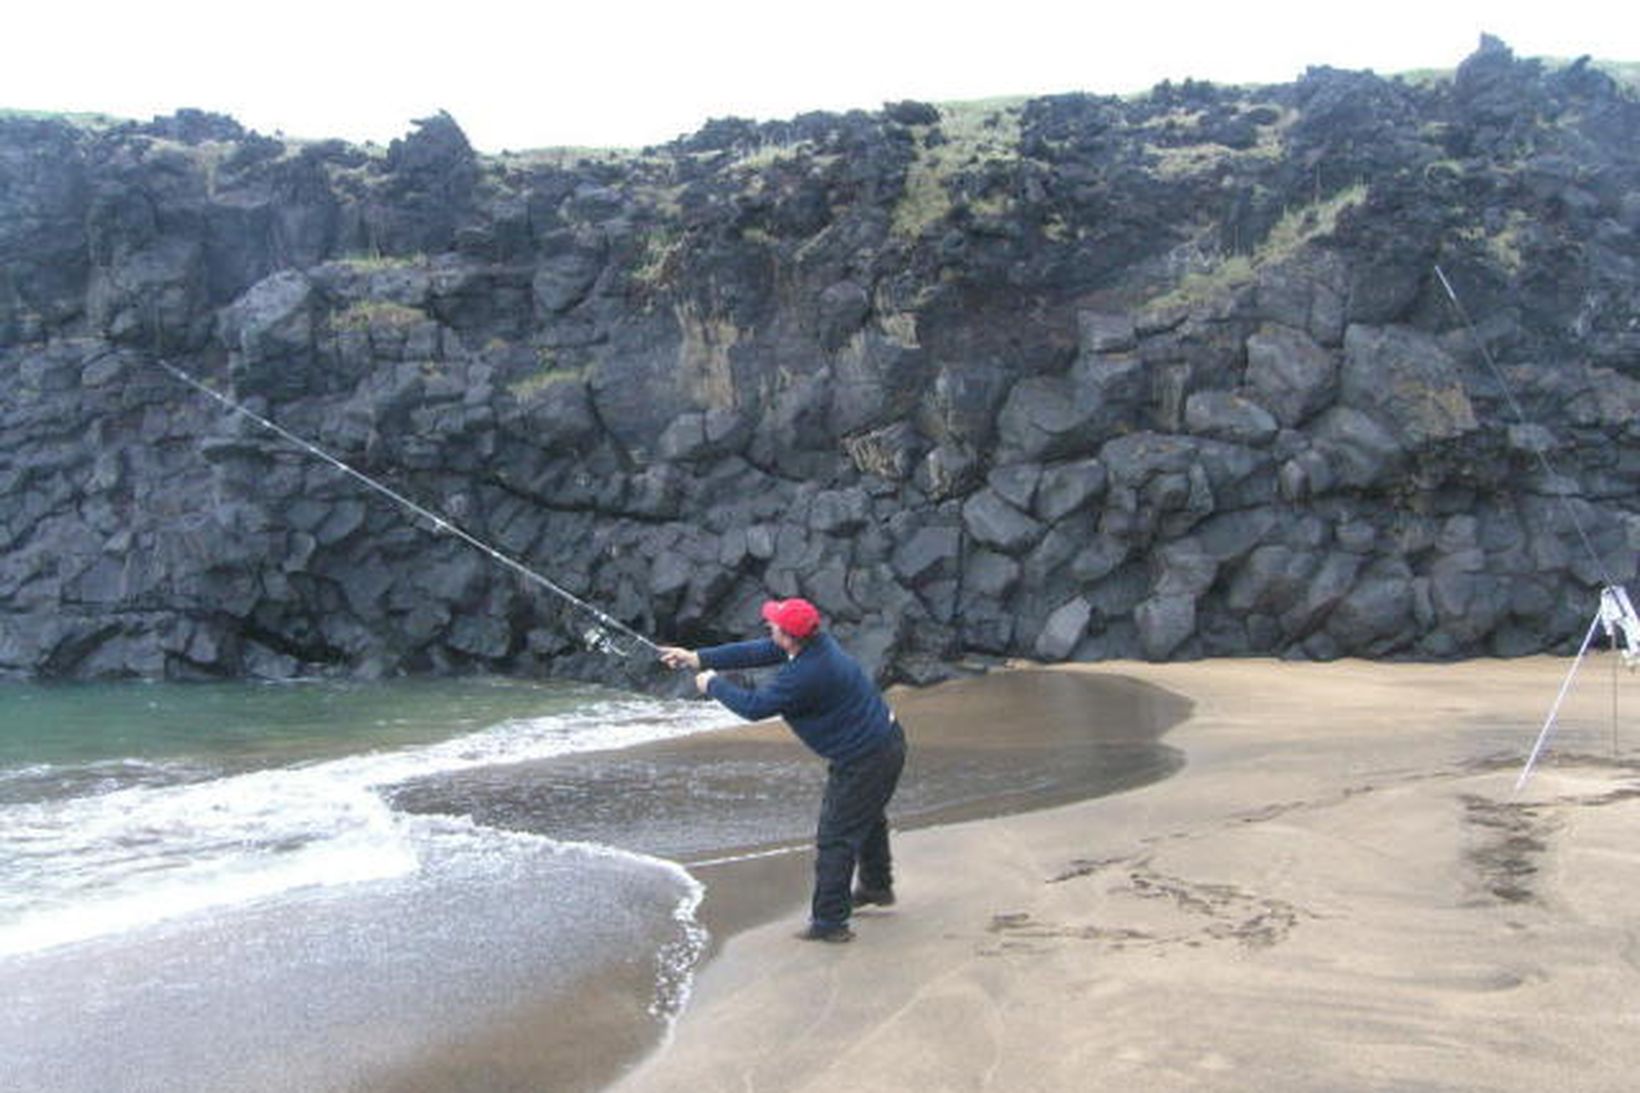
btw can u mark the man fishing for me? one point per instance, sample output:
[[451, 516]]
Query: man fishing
[[833, 707]]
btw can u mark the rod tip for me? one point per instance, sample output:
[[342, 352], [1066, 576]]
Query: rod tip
[[1445, 284]]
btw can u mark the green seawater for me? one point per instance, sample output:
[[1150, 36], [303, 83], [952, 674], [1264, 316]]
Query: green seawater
[[235, 727]]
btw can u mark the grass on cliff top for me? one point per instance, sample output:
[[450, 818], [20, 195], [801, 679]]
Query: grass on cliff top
[[969, 135], [1200, 155], [1504, 244], [1218, 275], [551, 371], [81, 120], [567, 156], [1626, 73], [377, 315], [376, 262]]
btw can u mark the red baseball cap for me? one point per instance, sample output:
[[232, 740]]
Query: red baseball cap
[[799, 618]]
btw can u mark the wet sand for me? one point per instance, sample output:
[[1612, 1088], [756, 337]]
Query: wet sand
[[1040, 737], [1339, 890], [737, 808]]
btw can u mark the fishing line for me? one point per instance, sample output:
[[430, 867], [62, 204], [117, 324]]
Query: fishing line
[[597, 638], [1520, 416]]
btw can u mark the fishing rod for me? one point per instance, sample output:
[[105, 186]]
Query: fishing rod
[[1616, 614], [1520, 416], [597, 638]]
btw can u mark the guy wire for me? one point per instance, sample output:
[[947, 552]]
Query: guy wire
[[439, 523]]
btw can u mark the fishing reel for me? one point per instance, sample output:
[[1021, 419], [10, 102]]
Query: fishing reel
[[599, 640], [1619, 620]]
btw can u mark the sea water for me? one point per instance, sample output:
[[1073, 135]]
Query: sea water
[[206, 886]]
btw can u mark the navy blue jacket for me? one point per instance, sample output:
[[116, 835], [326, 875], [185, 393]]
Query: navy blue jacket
[[824, 695]]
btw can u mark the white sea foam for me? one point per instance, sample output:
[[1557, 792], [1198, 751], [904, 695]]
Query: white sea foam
[[675, 963], [77, 868], [676, 959]]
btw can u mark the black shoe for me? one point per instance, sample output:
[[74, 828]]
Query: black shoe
[[834, 934], [865, 897]]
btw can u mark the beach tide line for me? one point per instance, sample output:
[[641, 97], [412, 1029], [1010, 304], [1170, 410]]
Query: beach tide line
[[675, 960], [77, 868]]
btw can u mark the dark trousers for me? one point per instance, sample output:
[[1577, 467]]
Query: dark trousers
[[853, 829]]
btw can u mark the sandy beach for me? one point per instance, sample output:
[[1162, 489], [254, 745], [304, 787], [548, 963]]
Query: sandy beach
[[736, 807], [1339, 890]]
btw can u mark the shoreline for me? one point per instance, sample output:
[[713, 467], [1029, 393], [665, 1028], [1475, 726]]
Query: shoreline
[[1342, 854], [981, 746], [950, 723]]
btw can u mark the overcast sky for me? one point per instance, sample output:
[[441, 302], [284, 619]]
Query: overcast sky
[[624, 73]]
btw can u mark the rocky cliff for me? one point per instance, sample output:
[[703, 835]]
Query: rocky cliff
[[1072, 377]]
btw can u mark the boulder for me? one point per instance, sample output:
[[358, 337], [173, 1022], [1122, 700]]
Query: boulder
[[1306, 293], [1016, 483], [947, 470], [1106, 332], [561, 282], [1409, 384], [1359, 451], [479, 636], [842, 311], [1330, 583], [271, 333], [1226, 416], [931, 553], [959, 408], [1289, 375], [875, 380], [1183, 569], [1063, 630], [1065, 488], [994, 523], [1041, 419], [1165, 623], [1272, 578], [989, 575], [840, 512]]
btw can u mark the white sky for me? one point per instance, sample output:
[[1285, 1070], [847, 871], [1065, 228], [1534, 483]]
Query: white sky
[[632, 72]]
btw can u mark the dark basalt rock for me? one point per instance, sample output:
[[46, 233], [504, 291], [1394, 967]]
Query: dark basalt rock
[[1085, 377]]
